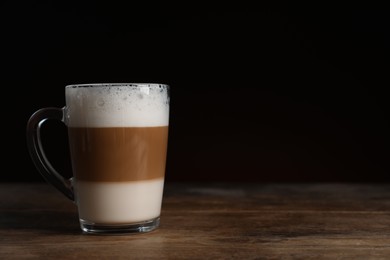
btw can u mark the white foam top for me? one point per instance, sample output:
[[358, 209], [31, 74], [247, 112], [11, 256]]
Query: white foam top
[[113, 105]]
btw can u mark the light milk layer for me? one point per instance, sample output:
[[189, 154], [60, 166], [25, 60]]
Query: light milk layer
[[119, 202], [117, 105]]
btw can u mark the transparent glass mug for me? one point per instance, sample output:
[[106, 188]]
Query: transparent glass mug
[[118, 136]]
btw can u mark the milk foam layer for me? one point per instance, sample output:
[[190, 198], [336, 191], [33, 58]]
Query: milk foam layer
[[119, 203], [113, 105]]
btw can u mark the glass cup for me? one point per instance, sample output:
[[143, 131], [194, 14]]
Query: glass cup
[[118, 136]]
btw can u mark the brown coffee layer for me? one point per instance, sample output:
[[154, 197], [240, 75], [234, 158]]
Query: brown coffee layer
[[116, 154]]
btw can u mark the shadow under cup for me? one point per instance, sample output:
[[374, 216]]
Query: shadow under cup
[[118, 136]]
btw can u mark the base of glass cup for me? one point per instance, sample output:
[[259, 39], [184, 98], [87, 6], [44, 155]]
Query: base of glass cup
[[106, 229]]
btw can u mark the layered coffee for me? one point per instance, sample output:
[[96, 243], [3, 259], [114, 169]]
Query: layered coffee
[[118, 142]]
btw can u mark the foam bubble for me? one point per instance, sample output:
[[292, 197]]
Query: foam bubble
[[111, 105]]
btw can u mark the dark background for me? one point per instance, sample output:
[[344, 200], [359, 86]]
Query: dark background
[[258, 93]]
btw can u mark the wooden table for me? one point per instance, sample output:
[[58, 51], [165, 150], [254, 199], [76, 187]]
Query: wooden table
[[209, 221]]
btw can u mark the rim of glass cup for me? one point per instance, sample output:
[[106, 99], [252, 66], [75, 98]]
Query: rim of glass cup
[[85, 85]]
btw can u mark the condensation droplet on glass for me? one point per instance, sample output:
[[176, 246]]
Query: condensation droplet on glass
[[100, 102]]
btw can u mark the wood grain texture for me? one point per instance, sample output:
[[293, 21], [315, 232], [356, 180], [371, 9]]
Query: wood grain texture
[[209, 221]]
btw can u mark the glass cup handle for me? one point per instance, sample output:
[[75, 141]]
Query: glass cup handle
[[37, 153]]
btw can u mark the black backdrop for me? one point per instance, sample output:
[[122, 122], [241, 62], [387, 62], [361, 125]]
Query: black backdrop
[[257, 93]]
